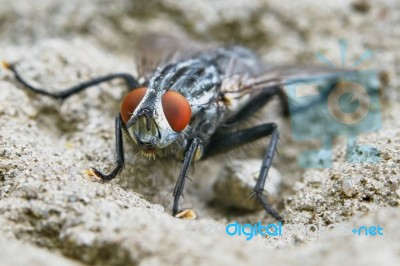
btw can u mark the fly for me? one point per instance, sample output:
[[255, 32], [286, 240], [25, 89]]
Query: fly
[[182, 107]]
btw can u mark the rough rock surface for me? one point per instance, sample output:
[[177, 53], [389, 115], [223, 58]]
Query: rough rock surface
[[57, 215]]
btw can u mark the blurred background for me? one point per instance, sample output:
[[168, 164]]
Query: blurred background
[[283, 31]]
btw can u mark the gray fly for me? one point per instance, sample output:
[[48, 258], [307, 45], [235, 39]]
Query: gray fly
[[184, 100]]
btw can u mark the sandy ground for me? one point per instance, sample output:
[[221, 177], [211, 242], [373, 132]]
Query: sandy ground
[[52, 213]]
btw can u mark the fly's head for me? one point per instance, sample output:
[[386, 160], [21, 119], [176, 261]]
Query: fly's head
[[154, 119]]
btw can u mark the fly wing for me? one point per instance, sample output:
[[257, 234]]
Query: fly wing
[[287, 75], [157, 50], [240, 90]]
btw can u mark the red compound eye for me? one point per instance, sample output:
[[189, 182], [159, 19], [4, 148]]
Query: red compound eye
[[131, 102], [176, 109]]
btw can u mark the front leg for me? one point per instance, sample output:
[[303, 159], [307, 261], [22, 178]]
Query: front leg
[[119, 147], [180, 183], [130, 81]]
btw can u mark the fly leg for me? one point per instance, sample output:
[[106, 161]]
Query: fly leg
[[120, 162], [180, 183], [130, 81], [265, 166], [225, 142]]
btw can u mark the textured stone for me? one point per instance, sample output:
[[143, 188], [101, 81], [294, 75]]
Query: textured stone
[[57, 215]]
